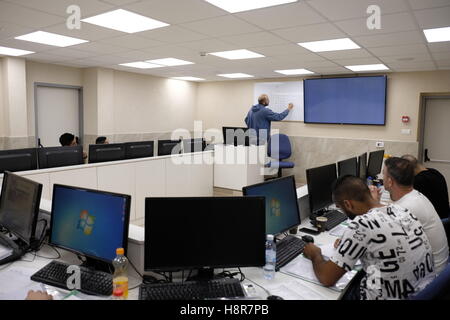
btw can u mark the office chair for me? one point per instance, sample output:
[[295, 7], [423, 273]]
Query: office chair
[[439, 288], [279, 148], [446, 223]]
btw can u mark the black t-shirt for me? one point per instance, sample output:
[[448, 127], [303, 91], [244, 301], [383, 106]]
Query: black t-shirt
[[431, 183]]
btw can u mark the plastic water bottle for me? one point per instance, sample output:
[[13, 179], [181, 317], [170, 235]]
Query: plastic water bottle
[[120, 277], [369, 181], [271, 258]]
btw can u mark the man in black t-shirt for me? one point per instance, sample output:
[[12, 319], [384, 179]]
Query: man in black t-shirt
[[432, 184]]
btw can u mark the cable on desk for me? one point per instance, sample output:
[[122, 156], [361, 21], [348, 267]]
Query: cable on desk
[[135, 269], [50, 258]]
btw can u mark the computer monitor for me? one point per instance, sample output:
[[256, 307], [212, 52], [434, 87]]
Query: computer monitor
[[18, 160], [194, 145], [348, 167], [19, 206], [141, 149], [282, 212], [165, 147], [375, 163], [319, 181], [106, 152], [236, 136], [205, 233], [89, 222], [362, 166], [54, 157]]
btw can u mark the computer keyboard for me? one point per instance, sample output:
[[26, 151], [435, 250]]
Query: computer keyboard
[[335, 218], [288, 249], [92, 282], [192, 290]]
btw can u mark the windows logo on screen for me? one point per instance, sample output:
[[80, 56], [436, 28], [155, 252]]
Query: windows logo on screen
[[275, 207], [86, 222]]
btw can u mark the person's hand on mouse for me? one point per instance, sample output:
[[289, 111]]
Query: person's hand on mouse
[[337, 243], [311, 250]]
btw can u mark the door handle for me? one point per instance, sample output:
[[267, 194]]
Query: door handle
[[426, 158]]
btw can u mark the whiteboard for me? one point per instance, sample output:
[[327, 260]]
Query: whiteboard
[[280, 94]]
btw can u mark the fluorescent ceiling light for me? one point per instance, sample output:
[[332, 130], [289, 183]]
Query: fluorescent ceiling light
[[125, 21], [235, 75], [13, 52], [330, 45], [437, 34], [169, 62], [234, 6], [140, 65], [367, 67], [294, 72], [189, 78], [51, 39], [237, 54]]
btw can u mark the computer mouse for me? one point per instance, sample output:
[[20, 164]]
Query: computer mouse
[[308, 239], [273, 297]]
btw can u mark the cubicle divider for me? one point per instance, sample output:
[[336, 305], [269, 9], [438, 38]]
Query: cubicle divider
[[176, 175]]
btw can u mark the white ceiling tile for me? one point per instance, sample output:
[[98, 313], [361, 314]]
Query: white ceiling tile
[[10, 30], [323, 31], [209, 45], [433, 18], [403, 65], [59, 7], [87, 32], [443, 63], [284, 49], [289, 15], [132, 41], [119, 2], [359, 61], [389, 23], [349, 9], [330, 70], [173, 34], [27, 17], [168, 51], [99, 48], [400, 50], [71, 53], [425, 4], [322, 64], [301, 58], [24, 45], [439, 46], [47, 57], [391, 39], [175, 11], [255, 39], [221, 26], [346, 54], [441, 55], [407, 57]]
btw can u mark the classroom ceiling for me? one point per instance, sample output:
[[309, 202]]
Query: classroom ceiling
[[197, 26]]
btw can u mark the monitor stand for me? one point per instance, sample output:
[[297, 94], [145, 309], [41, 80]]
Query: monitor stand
[[98, 265], [203, 274]]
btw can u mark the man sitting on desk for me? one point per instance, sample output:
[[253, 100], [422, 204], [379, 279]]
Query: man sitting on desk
[[260, 117], [390, 242]]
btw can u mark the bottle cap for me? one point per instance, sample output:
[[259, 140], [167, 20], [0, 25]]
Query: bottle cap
[[120, 251], [117, 293], [269, 237]]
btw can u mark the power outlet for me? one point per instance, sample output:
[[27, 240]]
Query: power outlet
[[379, 144]]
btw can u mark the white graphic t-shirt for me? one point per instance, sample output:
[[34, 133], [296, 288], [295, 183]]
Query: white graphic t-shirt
[[394, 250]]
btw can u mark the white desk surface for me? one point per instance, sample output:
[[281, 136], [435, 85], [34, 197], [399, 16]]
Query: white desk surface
[[254, 276]]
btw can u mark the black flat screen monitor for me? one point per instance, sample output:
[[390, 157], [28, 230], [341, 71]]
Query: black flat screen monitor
[[320, 181], [19, 206], [362, 166], [141, 149], [205, 233], [282, 212], [237, 136], [90, 222], [194, 145], [53, 157], [348, 167], [18, 160], [168, 147], [106, 152], [375, 163]]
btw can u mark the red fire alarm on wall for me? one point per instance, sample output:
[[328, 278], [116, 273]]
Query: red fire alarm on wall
[[405, 119]]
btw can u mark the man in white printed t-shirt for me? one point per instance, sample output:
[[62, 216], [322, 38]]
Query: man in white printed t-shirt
[[390, 242], [398, 177]]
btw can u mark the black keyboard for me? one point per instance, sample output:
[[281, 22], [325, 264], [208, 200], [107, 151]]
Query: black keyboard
[[335, 218], [92, 282], [288, 249], [192, 290]]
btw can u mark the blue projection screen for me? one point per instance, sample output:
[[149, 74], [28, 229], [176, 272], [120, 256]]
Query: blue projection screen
[[358, 100]]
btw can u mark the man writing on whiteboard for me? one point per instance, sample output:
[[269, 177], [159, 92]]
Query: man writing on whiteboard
[[260, 117]]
